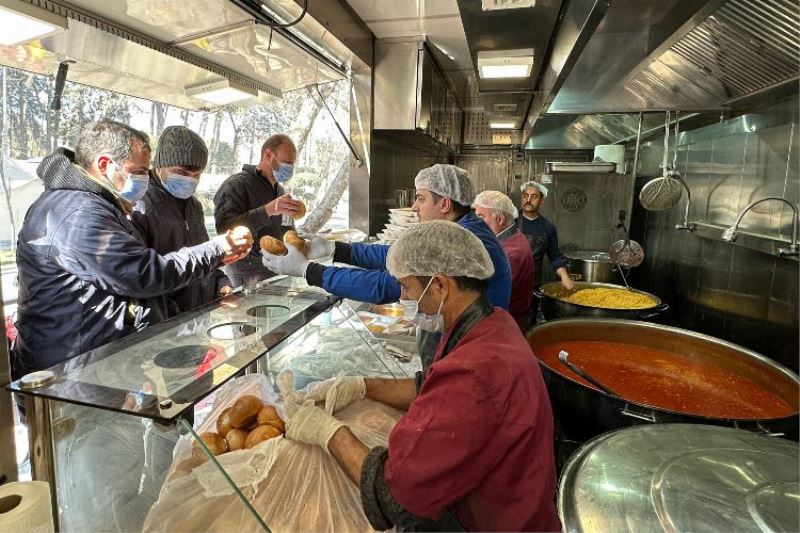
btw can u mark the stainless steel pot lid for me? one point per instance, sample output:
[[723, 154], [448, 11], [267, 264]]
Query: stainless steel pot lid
[[681, 477], [589, 255]]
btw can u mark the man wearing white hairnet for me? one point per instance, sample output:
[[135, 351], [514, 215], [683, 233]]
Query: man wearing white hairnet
[[444, 192], [543, 239], [499, 213], [475, 447]]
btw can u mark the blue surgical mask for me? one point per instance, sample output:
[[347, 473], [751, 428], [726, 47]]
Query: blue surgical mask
[[135, 184], [284, 172], [180, 186]]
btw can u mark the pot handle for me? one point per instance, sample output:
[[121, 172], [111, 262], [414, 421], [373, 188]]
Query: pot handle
[[647, 417], [655, 311], [538, 293], [762, 430]]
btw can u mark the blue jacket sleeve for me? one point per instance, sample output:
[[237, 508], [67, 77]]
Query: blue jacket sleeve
[[98, 249], [557, 259], [372, 256], [374, 286]]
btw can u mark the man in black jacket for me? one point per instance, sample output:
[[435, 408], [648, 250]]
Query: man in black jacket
[[86, 276], [169, 217], [255, 198]]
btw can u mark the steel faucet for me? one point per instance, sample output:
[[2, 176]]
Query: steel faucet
[[730, 234]]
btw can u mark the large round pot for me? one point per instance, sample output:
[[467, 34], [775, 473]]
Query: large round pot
[[553, 307], [584, 411], [594, 267]]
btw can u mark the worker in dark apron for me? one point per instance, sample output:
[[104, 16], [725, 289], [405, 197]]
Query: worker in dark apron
[[543, 239], [474, 450]]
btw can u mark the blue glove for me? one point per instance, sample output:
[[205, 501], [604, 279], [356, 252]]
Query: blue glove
[[294, 263]]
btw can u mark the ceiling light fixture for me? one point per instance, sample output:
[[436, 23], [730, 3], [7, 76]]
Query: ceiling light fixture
[[495, 64], [501, 125], [221, 92], [496, 5], [23, 22]]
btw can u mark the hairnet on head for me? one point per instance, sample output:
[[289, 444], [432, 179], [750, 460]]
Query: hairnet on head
[[447, 180], [439, 247], [497, 201], [534, 185]]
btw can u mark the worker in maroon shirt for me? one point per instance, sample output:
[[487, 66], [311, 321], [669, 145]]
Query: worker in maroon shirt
[[499, 213], [474, 449]]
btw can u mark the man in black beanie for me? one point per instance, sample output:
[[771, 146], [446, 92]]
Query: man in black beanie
[[170, 217]]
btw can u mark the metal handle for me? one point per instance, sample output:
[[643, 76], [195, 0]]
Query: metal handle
[[639, 416], [538, 293], [655, 311], [766, 432]]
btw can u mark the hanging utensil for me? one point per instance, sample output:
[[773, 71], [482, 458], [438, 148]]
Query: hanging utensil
[[564, 358], [663, 193], [628, 253]]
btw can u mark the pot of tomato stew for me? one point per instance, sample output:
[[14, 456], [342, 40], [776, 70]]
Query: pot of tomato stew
[[660, 374]]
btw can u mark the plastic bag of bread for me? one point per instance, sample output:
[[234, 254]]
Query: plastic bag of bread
[[290, 485]]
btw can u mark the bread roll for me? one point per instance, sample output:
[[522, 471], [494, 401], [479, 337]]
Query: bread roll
[[236, 439], [260, 434], [269, 415], [244, 411], [242, 232], [224, 423], [301, 211], [291, 237], [215, 444], [272, 245]]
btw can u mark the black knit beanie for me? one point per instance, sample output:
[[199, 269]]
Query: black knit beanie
[[179, 146]]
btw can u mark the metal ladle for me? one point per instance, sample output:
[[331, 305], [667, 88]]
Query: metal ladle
[[563, 356]]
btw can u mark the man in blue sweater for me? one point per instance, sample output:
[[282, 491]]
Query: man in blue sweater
[[444, 192], [543, 239]]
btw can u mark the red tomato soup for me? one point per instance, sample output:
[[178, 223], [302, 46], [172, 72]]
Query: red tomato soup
[[667, 380]]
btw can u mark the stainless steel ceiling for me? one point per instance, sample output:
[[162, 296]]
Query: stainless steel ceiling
[[154, 48]]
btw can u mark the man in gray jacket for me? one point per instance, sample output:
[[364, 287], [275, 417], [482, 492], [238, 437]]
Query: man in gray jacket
[[169, 217]]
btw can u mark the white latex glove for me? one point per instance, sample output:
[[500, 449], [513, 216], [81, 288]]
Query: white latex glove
[[319, 248], [294, 263], [338, 393], [312, 425]]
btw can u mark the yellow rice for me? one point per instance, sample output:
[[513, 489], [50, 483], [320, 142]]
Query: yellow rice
[[608, 298]]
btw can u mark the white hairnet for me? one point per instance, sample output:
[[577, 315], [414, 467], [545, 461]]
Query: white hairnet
[[497, 201], [447, 180], [439, 247], [535, 185]]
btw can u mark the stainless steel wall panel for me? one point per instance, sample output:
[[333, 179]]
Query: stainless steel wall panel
[[739, 294]]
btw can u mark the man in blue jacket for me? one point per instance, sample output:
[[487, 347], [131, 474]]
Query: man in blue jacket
[[444, 192], [86, 276]]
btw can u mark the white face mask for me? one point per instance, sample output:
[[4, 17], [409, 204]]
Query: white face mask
[[426, 322]]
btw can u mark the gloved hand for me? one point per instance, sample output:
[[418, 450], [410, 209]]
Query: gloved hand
[[319, 248], [338, 393], [294, 263], [312, 425]]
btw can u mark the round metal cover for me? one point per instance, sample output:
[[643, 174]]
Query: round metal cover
[[268, 311], [34, 380], [588, 255], [681, 477], [231, 330]]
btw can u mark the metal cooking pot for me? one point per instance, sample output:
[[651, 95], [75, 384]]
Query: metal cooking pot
[[596, 267], [585, 412], [554, 308]]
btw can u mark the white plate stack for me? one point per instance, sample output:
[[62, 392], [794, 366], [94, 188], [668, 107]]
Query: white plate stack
[[399, 220]]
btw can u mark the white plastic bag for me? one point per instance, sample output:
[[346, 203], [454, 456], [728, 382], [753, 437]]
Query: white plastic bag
[[292, 486]]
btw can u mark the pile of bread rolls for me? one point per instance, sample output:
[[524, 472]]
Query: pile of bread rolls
[[276, 247], [246, 423]]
